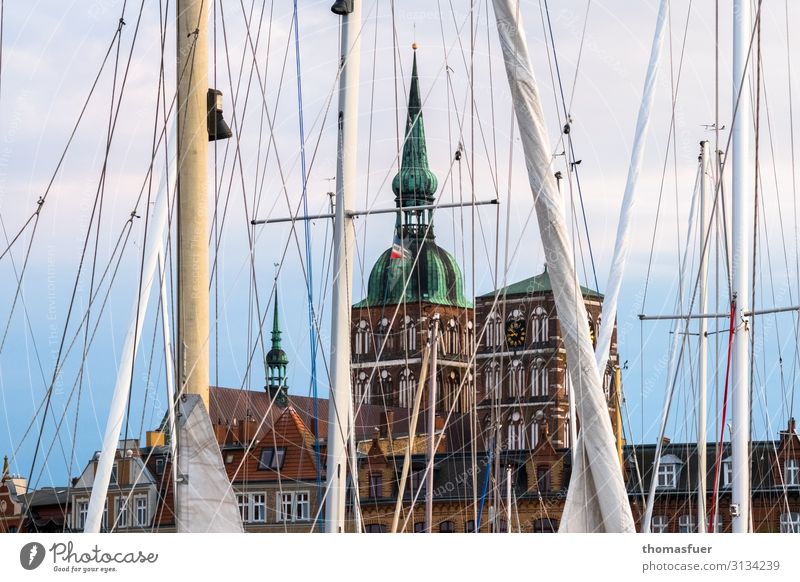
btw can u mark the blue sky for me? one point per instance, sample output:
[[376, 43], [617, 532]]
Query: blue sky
[[53, 50]]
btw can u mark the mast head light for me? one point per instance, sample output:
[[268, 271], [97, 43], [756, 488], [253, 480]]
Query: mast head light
[[342, 7], [217, 126]]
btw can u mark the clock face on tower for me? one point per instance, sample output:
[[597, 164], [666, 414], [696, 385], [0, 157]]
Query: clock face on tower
[[515, 333]]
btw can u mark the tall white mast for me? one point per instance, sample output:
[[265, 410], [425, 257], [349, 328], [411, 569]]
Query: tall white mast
[[431, 424], [192, 218], [705, 192], [741, 218], [340, 389]]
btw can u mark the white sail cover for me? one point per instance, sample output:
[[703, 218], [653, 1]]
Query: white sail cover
[[597, 500], [204, 499]]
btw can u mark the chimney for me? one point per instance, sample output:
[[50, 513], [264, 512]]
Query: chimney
[[792, 426], [665, 441], [221, 433], [386, 422], [247, 431]]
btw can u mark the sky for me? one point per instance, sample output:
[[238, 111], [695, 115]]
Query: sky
[[53, 51]]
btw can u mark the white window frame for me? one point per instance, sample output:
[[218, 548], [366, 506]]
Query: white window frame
[[292, 506], [540, 325], [138, 507], [727, 472], [82, 513], [686, 524], [539, 379], [791, 473], [790, 522], [121, 512], [660, 524], [409, 334], [517, 377], [667, 477], [362, 339]]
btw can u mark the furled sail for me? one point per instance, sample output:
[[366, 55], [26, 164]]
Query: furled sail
[[205, 501], [597, 500]]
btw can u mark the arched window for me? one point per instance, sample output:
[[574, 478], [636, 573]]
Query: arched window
[[534, 434], [493, 335], [362, 338], [468, 394], [452, 382], [469, 338], [516, 433], [384, 334], [409, 334], [406, 387], [491, 380], [540, 325], [386, 387], [452, 337], [362, 389], [517, 379], [539, 380]]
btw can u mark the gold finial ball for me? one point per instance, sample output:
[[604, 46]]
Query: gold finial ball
[[414, 46]]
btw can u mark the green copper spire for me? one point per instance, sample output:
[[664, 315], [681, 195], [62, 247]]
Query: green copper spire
[[415, 269], [277, 361], [415, 184]]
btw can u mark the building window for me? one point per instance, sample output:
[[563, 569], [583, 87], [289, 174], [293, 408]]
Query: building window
[[272, 459], [491, 375], [362, 395], [494, 331], [790, 522], [659, 524], [719, 526], [543, 478], [292, 506], [141, 511], [534, 435], [244, 506], [376, 485], [113, 479], [539, 381], [384, 335], [104, 520], [160, 466], [258, 503], [417, 483], [419, 527], [792, 473], [607, 385], [540, 325], [122, 512], [452, 337], [545, 526], [516, 433], [374, 528], [83, 512], [406, 387], [469, 526], [727, 472], [686, 524], [668, 470], [517, 379], [469, 338], [386, 386], [362, 338], [409, 335]]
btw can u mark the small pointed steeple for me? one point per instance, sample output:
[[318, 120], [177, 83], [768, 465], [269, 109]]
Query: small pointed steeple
[[414, 184], [277, 361]]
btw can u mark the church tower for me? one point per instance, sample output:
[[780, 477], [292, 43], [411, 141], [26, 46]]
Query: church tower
[[276, 362], [411, 283]]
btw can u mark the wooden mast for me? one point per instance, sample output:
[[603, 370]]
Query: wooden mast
[[192, 216]]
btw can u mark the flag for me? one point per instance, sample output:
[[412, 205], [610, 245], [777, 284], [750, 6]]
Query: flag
[[398, 250]]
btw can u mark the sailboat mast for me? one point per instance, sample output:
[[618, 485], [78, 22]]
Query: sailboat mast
[[192, 216], [705, 192], [431, 424], [340, 389], [740, 217]]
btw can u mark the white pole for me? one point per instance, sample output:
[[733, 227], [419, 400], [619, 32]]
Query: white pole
[[741, 218], [431, 424], [340, 391], [169, 367], [705, 193], [508, 499], [192, 217], [629, 199], [116, 413]]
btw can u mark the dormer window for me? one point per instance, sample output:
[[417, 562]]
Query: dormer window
[[791, 472], [272, 458], [668, 470]]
